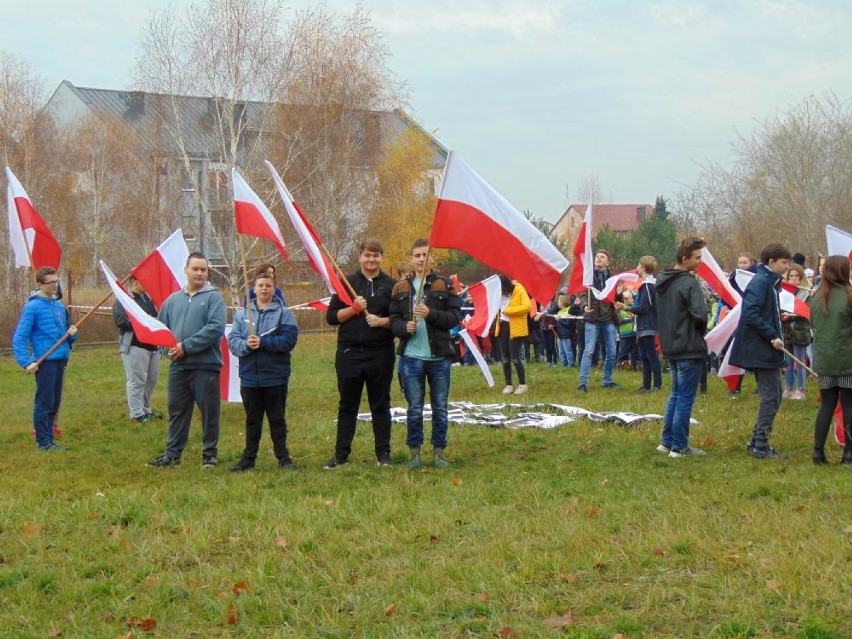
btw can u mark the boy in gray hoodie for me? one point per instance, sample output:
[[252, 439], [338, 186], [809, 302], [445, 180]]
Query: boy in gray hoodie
[[196, 317]]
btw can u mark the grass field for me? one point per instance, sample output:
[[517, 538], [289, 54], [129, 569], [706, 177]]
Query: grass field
[[583, 531]]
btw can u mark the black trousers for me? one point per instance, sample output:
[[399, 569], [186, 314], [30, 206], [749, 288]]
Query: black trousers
[[356, 368], [271, 402]]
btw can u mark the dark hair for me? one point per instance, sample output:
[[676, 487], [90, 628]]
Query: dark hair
[[774, 252], [263, 275], [419, 243], [835, 272], [263, 268], [506, 284], [687, 246], [799, 259], [43, 272], [371, 244], [605, 252], [195, 255]]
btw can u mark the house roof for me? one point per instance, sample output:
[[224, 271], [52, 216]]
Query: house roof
[[619, 217], [144, 113]]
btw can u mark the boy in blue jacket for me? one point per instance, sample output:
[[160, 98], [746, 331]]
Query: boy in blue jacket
[[43, 322], [264, 354]]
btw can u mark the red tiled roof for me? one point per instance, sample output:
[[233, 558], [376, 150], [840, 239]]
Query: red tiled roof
[[619, 217]]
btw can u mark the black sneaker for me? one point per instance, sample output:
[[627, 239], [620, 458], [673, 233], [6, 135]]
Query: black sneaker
[[142, 419], [611, 385], [155, 414], [52, 448], [334, 462], [286, 464], [767, 453], [582, 388], [209, 461], [242, 465], [385, 460], [162, 461]]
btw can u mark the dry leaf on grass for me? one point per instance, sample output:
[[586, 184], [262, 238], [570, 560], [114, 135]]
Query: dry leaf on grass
[[390, 610], [434, 539], [559, 621], [456, 481], [848, 530], [233, 618], [659, 552], [32, 530], [127, 635], [56, 632], [482, 597], [571, 578], [592, 512], [772, 584], [148, 624], [507, 632], [707, 442], [281, 542], [132, 621], [799, 508], [239, 587]]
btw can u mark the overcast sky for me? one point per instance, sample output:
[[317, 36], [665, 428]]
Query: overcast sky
[[536, 94]]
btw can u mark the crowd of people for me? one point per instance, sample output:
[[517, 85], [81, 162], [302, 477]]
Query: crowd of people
[[408, 322]]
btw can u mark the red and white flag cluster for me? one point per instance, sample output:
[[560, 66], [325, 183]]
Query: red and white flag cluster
[[251, 215], [486, 304], [162, 272], [148, 329], [610, 289], [473, 217], [32, 242], [311, 241]]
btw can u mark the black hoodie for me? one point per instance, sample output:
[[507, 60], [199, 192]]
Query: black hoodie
[[681, 315]]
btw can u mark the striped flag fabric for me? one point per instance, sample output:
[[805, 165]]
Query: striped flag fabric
[[229, 378], [32, 242], [473, 217], [839, 242], [470, 343], [710, 271], [148, 329], [582, 274], [162, 272], [252, 216], [486, 304], [311, 241], [607, 294]]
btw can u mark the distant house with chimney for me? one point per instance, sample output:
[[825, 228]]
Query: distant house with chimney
[[620, 218]]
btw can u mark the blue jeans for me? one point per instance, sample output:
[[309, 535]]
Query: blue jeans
[[795, 373], [610, 333], [686, 373], [566, 351], [414, 374], [48, 397], [650, 362]]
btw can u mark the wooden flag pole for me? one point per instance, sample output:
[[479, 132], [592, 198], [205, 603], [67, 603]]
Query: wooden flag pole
[[799, 362], [78, 323], [339, 272], [245, 275]]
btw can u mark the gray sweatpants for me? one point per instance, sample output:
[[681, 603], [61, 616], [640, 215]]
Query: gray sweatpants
[[769, 390], [141, 370], [187, 389]]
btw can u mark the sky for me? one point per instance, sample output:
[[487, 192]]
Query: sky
[[538, 95]]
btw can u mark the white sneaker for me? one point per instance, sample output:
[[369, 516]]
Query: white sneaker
[[689, 450], [521, 389], [787, 394], [509, 389], [663, 449]]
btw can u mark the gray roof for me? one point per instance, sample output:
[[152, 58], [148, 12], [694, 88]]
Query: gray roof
[[145, 114]]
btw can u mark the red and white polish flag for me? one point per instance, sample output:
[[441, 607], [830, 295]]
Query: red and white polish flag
[[473, 217], [582, 275], [721, 334], [710, 271], [486, 304], [839, 242], [229, 378], [148, 329], [311, 241], [321, 304], [611, 286], [252, 217], [787, 301], [162, 272], [29, 234]]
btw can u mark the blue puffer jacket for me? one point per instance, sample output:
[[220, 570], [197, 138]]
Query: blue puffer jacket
[[43, 321], [270, 364], [760, 323]]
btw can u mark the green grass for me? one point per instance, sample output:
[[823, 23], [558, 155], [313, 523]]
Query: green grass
[[584, 531]]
